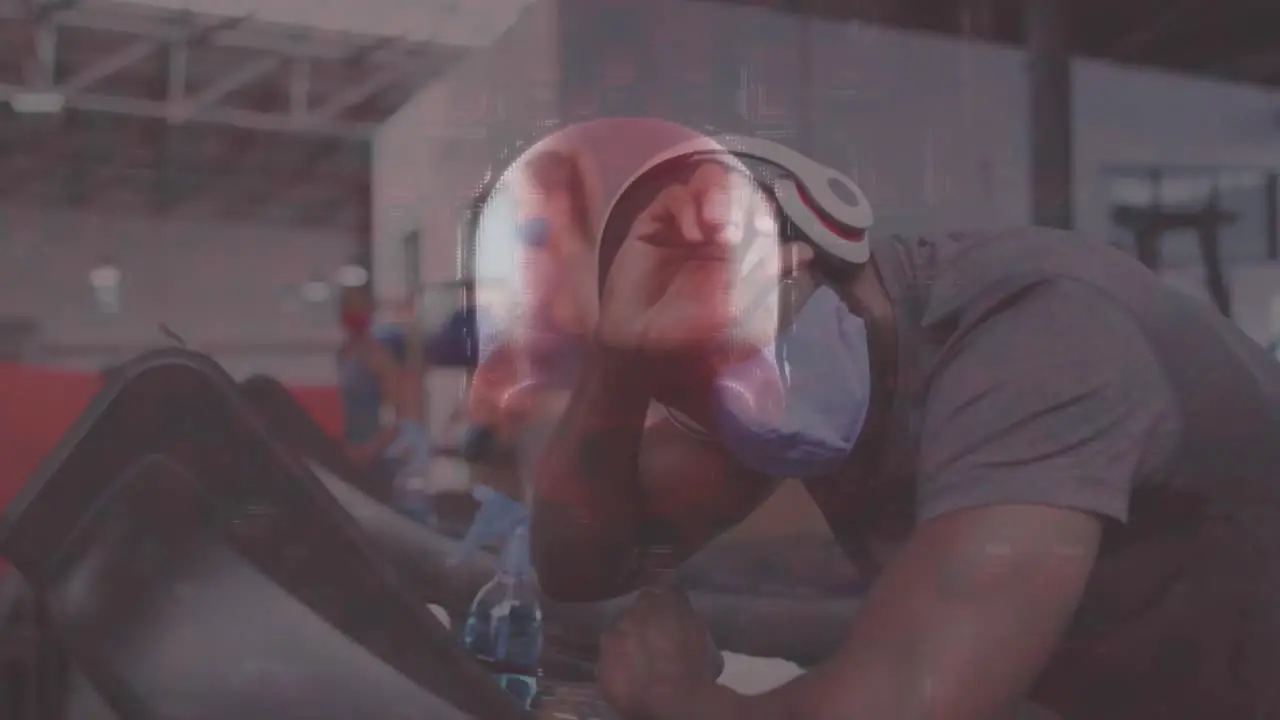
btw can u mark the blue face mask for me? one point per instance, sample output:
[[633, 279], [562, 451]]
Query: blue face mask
[[807, 425]]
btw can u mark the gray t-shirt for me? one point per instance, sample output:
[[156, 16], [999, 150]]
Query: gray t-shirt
[[1039, 367]]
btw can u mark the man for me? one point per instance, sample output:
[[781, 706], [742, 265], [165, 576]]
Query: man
[[1063, 477], [383, 406]]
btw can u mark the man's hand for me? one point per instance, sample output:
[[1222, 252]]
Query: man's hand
[[658, 659], [957, 628], [698, 269]]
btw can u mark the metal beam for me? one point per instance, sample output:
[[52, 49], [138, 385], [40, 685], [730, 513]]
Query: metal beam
[[141, 49], [247, 74], [247, 119], [170, 141], [236, 32], [206, 32], [1049, 62], [368, 51], [111, 64], [45, 10], [42, 72], [39, 54]]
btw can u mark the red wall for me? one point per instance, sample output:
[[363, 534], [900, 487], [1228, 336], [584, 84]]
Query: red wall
[[37, 405]]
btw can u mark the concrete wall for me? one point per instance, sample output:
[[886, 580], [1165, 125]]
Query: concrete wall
[[932, 128], [223, 287]]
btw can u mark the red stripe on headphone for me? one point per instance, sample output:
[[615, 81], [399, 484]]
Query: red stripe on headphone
[[840, 230]]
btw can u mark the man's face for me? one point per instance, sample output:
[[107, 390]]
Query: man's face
[[355, 310], [356, 300]]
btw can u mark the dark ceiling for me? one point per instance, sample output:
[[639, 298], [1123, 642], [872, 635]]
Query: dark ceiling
[[1233, 39]]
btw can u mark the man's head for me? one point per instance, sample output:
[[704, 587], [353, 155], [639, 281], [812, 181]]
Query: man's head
[[784, 368], [749, 300], [355, 310]]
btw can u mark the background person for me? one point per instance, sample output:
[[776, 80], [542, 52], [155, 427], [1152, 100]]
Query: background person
[[520, 379], [383, 406]]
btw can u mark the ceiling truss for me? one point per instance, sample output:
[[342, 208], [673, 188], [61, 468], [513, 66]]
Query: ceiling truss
[[289, 57], [197, 116]]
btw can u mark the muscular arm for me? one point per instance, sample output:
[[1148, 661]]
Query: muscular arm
[[958, 627], [607, 489], [402, 390], [1020, 464], [401, 384]]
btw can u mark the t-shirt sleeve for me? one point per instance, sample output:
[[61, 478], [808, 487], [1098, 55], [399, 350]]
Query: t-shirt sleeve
[[1054, 399]]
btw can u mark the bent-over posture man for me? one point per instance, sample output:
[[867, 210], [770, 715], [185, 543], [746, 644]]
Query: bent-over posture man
[[1063, 477]]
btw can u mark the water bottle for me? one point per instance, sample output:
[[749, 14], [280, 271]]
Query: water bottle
[[504, 626]]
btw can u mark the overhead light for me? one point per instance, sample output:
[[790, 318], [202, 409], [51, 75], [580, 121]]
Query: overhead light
[[351, 275], [105, 281], [38, 102]]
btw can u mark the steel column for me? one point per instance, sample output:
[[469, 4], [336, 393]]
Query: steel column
[[1049, 66]]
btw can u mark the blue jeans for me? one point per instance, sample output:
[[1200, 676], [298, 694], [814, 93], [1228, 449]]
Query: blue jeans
[[410, 454]]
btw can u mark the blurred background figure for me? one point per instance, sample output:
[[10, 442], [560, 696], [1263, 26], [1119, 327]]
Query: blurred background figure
[[383, 407], [524, 375], [541, 352], [560, 272]]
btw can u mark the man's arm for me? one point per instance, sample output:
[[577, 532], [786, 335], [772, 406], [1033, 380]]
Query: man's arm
[[401, 384], [607, 488], [402, 391], [1033, 433], [957, 628]]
